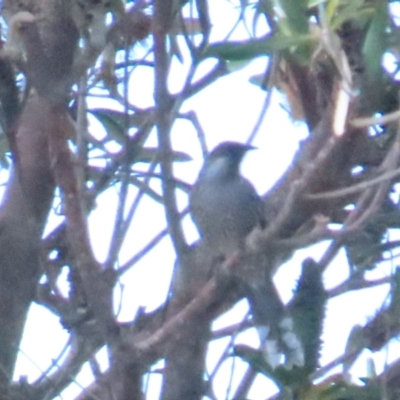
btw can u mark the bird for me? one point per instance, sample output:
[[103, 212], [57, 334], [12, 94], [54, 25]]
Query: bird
[[226, 208], [224, 205]]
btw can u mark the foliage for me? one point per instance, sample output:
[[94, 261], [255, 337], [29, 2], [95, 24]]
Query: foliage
[[70, 88]]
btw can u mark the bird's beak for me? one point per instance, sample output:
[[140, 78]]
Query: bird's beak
[[250, 147]]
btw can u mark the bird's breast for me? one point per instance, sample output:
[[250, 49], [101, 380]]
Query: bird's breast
[[225, 213]]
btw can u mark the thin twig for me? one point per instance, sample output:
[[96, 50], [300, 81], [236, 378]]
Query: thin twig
[[164, 117], [370, 121], [81, 143], [201, 136], [146, 249], [116, 239], [359, 187], [367, 205], [297, 187], [217, 72], [357, 284], [125, 224], [335, 363], [271, 71]]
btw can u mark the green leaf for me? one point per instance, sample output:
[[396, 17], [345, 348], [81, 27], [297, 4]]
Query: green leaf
[[237, 65], [258, 80], [282, 377], [354, 10], [254, 358], [314, 3], [371, 369], [355, 342], [146, 189], [246, 50], [112, 123], [295, 11], [375, 44], [116, 122], [149, 154], [331, 8]]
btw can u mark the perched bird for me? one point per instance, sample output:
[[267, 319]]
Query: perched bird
[[225, 208], [224, 205]]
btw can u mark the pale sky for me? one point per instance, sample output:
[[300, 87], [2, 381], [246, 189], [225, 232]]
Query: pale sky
[[227, 110]]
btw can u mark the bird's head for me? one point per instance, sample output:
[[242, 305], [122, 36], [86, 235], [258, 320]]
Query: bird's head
[[224, 161]]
